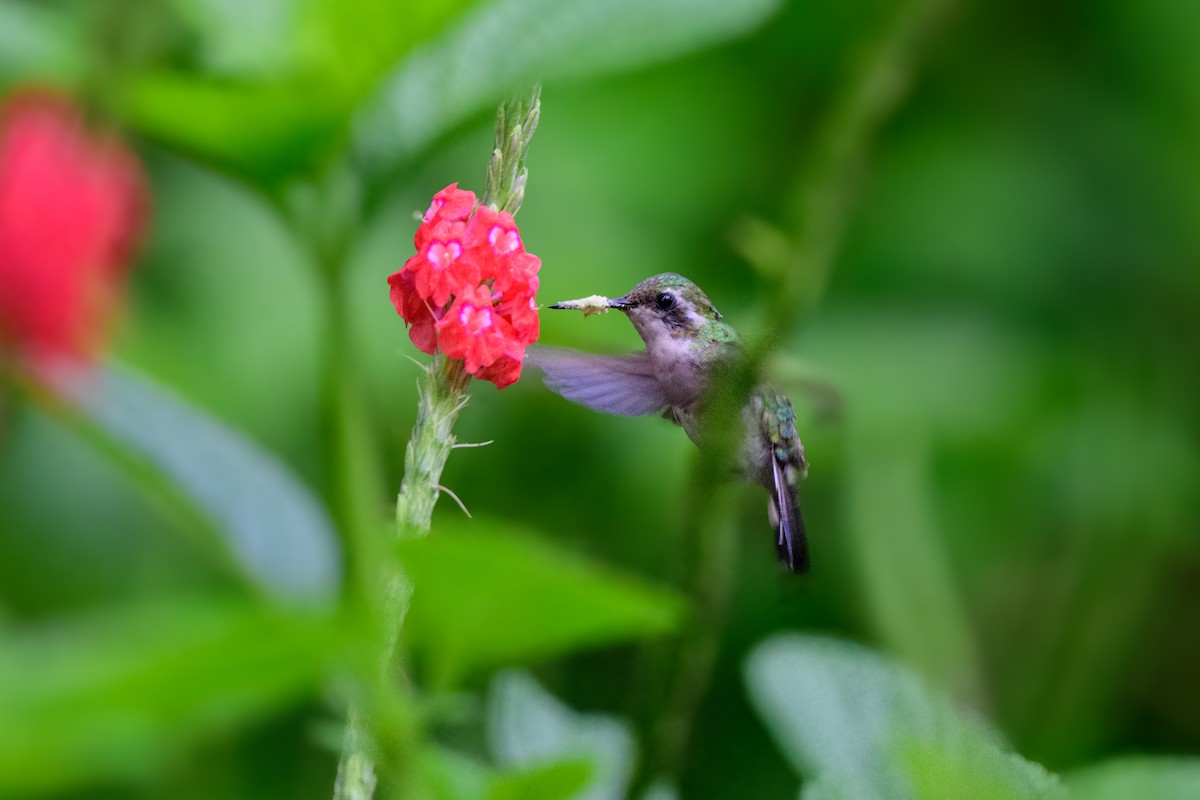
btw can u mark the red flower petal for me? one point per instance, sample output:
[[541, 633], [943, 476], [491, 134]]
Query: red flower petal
[[493, 230], [503, 372], [518, 275], [449, 205], [474, 260], [442, 267], [522, 314], [424, 336], [492, 237], [413, 309], [473, 331]]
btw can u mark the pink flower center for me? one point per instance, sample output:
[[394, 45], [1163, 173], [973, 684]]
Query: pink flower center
[[503, 240], [443, 254], [475, 320]]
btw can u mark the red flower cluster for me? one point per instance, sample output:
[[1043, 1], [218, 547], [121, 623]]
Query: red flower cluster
[[71, 208], [469, 291]]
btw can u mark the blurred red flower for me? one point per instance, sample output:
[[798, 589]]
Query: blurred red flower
[[72, 207], [470, 289]]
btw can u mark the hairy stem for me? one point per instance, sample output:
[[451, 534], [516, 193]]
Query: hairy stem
[[439, 399], [441, 395]]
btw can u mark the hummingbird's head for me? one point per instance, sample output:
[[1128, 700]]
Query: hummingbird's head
[[667, 305]]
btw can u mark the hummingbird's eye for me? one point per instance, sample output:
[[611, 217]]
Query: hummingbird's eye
[[665, 301]]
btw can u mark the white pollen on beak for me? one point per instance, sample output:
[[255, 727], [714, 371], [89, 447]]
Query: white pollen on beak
[[596, 304]]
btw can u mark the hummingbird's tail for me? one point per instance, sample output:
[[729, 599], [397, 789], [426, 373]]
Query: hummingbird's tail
[[791, 541]]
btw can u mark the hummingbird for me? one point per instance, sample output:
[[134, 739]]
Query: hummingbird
[[688, 347]]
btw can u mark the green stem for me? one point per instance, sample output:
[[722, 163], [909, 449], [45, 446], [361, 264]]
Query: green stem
[[440, 398], [325, 215], [356, 777], [819, 203], [819, 206], [685, 669]]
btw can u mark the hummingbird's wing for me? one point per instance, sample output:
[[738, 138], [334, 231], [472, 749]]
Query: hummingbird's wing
[[613, 384]]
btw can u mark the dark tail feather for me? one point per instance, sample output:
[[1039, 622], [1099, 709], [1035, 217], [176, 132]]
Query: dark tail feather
[[791, 541]]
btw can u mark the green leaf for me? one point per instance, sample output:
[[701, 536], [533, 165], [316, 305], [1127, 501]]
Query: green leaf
[[910, 381], [661, 790], [280, 79], [528, 728], [866, 728], [354, 42], [1153, 778], [450, 775], [909, 584], [271, 523], [266, 131], [484, 595], [114, 694], [35, 40], [502, 46], [561, 780], [243, 38]]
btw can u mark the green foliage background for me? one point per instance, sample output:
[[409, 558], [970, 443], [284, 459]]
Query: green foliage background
[[998, 385]]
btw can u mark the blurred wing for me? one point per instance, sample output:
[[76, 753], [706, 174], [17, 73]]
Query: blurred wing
[[613, 384]]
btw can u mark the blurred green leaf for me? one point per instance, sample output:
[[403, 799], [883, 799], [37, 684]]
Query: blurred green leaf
[[36, 40], [115, 694], [449, 775], [280, 79], [502, 46], [273, 526], [867, 729], [910, 381], [354, 42], [265, 131], [1145, 778], [561, 780], [345, 42], [485, 595], [954, 373], [907, 580], [661, 790], [244, 39], [531, 730], [1147, 504]]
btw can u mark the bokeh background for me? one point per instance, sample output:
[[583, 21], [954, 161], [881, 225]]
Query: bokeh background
[[998, 385]]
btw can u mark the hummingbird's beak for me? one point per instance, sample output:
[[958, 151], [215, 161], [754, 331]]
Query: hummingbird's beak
[[596, 304]]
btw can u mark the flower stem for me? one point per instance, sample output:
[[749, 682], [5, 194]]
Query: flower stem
[[356, 777], [439, 399], [441, 395]]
